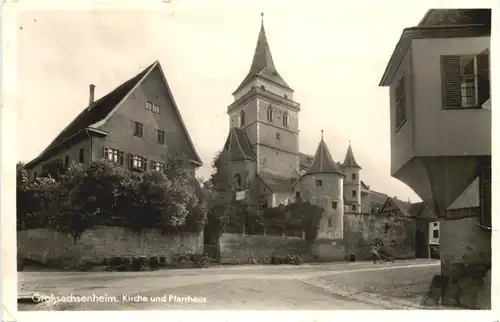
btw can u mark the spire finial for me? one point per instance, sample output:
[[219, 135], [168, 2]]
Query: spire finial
[[321, 135], [262, 17]]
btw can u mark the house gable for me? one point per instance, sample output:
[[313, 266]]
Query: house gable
[[120, 122], [394, 206]]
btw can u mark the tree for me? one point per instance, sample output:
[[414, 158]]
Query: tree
[[54, 169]]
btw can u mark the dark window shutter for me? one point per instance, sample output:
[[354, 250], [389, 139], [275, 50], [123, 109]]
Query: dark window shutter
[[129, 160], [145, 164], [483, 73], [450, 78]]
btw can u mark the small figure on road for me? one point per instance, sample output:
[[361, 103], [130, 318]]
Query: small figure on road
[[376, 254]]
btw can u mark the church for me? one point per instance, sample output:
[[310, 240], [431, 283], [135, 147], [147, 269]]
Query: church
[[263, 151]]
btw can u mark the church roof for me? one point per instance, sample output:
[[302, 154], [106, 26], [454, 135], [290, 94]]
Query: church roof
[[277, 184], [263, 64], [323, 161], [238, 146], [350, 161]]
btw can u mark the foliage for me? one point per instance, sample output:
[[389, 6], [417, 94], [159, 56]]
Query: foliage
[[107, 194]]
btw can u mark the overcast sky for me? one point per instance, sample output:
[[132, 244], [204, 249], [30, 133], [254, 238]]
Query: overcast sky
[[332, 56]]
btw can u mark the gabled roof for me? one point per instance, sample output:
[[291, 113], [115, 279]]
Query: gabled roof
[[238, 146], [323, 161], [403, 206], [95, 115], [350, 161], [277, 184], [263, 64]]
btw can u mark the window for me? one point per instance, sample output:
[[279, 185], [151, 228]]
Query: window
[[138, 129], [263, 204], [319, 183], [113, 155], [139, 163], [263, 87], [160, 136], [435, 234], [353, 176], [158, 166], [278, 136], [330, 222], [297, 195], [285, 119], [435, 224], [149, 106], [237, 181], [354, 193], [400, 103], [81, 156], [269, 114], [354, 207], [334, 204], [66, 161], [156, 109], [465, 80], [242, 118]]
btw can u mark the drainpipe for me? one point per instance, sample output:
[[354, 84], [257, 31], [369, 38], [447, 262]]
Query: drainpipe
[[90, 143]]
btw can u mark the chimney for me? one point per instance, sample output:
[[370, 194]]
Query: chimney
[[91, 94]]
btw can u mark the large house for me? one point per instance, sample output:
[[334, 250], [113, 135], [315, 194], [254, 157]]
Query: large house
[[439, 83], [137, 126], [263, 149]]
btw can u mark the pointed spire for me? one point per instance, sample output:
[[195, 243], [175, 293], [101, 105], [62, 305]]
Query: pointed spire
[[350, 161], [262, 63], [323, 161]]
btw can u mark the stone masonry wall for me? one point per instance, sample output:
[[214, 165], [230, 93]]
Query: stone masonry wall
[[240, 249], [396, 233], [96, 244]]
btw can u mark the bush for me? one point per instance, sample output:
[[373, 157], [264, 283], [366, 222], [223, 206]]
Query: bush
[[105, 194]]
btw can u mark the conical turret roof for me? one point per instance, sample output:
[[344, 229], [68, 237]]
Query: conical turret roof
[[323, 161], [350, 161]]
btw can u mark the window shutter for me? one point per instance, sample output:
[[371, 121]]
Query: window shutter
[[483, 75], [450, 78], [104, 152], [129, 160], [145, 164]]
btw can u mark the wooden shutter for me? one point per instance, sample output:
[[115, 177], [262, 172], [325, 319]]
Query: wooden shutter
[[483, 75], [450, 78], [129, 160], [145, 164]]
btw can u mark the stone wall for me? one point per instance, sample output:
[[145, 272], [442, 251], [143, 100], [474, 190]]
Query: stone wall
[[328, 250], [240, 249], [397, 233], [96, 244], [466, 260]]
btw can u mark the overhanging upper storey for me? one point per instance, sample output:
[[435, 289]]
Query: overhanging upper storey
[[439, 23]]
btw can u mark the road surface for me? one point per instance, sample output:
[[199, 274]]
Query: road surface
[[343, 286]]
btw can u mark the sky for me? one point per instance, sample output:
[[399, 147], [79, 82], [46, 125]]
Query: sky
[[332, 56]]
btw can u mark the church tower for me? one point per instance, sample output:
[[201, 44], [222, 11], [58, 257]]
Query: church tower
[[352, 182], [264, 109]]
